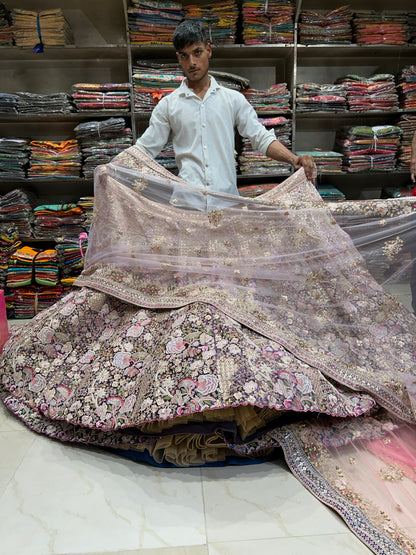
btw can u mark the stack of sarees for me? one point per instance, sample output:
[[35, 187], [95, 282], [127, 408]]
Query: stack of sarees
[[20, 268], [329, 193], [9, 243], [16, 208], [55, 159], [46, 268], [252, 162], [407, 124], [411, 27], [333, 27], [25, 302], [219, 18], [101, 96], [58, 220], [56, 103], [326, 161], [314, 97], [268, 22], [14, 157], [100, 141], [6, 27], [153, 80], [377, 92], [71, 253], [48, 27], [385, 27], [274, 98], [8, 103], [87, 206], [153, 22], [166, 158], [366, 148], [406, 86]]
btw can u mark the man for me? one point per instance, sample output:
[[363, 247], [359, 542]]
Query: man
[[201, 116]]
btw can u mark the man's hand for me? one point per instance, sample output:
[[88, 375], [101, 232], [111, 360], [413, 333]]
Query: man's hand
[[306, 162]]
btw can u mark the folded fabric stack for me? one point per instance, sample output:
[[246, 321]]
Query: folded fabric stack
[[407, 124], [406, 86], [70, 259], [231, 80], [16, 208], [397, 192], [57, 221], [275, 98], [377, 92], [9, 243], [153, 22], [57, 103], [8, 103], [87, 206], [219, 18], [326, 161], [101, 96], [48, 27], [411, 27], [385, 27], [166, 158], [14, 158], [152, 80], [333, 27], [27, 301], [46, 268], [330, 193], [252, 191], [100, 141], [6, 28], [20, 270], [314, 97], [50, 159], [251, 162], [368, 148], [268, 22]]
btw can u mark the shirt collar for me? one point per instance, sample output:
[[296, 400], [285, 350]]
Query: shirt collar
[[184, 90]]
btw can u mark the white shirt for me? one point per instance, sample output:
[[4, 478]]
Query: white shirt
[[202, 132]]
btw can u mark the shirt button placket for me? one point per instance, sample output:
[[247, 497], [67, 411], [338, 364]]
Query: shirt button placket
[[205, 143]]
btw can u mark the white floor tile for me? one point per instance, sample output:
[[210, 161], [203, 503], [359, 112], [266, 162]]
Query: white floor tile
[[262, 501], [65, 499], [13, 447], [335, 544]]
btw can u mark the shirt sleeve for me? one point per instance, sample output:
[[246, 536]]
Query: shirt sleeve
[[248, 126], [156, 135]]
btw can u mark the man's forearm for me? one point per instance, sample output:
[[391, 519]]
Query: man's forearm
[[279, 152]]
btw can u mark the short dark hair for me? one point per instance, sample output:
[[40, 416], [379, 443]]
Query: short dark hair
[[188, 32]]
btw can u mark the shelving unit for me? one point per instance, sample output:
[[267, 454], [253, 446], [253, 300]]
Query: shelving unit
[[102, 53]]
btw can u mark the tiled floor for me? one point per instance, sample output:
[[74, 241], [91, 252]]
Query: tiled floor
[[63, 499]]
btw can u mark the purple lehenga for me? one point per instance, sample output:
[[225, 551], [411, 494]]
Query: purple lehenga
[[199, 336]]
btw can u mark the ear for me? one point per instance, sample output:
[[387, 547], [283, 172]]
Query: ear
[[209, 48]]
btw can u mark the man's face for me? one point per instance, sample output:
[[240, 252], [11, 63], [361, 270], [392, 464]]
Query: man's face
[[194, 60]]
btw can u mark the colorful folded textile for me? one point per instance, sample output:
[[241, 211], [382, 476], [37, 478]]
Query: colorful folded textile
[[70, 257], [333, 27], [58, 220], [313, 97], [55, 159], [46, 269], [330, 193], [406, 87], [101, 96], [253, 191], [20, 270], [9, 243], [219, 18], [384, 27], [268, 21], [377, 92], [48, 27], [326, 161], [153, 22], [274, 98], [87, 206], [367, 148], [27, 301], [407, 124], [251, 162]]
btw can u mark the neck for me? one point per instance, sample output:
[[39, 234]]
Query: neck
[[200, 87]]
